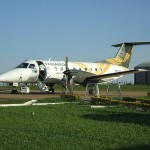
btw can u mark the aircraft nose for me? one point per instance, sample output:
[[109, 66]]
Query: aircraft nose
[[10, 76], [6, 77], [2, 78]]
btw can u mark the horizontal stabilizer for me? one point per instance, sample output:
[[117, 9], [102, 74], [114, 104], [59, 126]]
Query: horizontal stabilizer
[[131, 43]]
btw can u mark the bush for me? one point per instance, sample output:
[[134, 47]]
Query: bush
[[133, 99], [129, 99], [71, 97], [133, 102], [103, 101]]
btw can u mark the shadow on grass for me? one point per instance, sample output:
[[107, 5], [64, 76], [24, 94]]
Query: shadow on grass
[[136, 118]]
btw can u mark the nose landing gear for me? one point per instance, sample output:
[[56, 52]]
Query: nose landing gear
[[14, 90]]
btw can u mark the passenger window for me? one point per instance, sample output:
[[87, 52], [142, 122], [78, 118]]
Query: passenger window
[[55, 68], [95, 69], [61, 68]]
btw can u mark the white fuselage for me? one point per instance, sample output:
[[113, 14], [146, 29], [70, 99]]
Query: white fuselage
[[55, 69], [51, 72]]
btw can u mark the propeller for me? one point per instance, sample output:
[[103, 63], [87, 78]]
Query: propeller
[[68, 76], [66, 64], [66, 72]]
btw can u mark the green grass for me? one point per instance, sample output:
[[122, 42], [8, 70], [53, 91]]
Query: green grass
[[73, 127], [13, 101], [20, 101], [145, 88], [114, 87], [131, 88]]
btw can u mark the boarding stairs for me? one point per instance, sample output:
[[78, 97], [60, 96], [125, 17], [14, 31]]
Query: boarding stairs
[[42, 86]]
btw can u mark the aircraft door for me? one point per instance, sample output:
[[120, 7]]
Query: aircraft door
[[34, 72], [42, 71]]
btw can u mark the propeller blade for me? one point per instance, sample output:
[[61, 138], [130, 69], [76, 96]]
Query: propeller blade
[[66, 64]]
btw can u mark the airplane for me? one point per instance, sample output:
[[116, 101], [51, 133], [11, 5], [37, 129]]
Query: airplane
[[47, 73]]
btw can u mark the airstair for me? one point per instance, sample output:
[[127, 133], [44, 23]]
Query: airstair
[[42, 86]]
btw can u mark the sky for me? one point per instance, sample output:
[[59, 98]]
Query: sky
[[83, 30]]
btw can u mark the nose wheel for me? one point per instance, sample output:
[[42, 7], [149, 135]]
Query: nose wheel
[[14, 91]]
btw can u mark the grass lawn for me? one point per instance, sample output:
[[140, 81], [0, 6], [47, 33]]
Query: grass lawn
[[73, 127], [102, 87]]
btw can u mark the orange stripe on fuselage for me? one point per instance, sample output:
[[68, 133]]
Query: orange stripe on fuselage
[[83, 66], [104, 69], [99, 68], [113, 61]]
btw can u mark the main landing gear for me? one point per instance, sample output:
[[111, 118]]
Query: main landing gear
[[51, 89], [92, 89]]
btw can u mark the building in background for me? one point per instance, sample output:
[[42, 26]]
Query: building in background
[[142, 77]]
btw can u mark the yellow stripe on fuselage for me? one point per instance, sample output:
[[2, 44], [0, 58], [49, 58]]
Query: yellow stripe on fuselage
[[104, 69], [99, 68], [83, 66], [113, 61]]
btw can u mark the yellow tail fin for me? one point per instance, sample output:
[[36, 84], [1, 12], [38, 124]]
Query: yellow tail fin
[[124, 54]]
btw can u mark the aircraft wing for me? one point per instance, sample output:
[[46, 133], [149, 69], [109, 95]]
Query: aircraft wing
[[83, 77], [116, 74]]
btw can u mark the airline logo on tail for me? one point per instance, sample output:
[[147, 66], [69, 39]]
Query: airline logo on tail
[[124, 54]]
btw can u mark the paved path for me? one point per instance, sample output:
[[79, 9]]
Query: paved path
[[38, 95]]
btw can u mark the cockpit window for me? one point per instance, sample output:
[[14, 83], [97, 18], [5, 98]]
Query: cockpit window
[[23, 65], [32, 66]]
